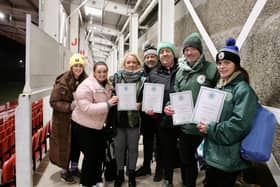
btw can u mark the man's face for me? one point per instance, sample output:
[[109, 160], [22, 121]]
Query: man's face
[[166, 57], [151, 60], [191, 54]]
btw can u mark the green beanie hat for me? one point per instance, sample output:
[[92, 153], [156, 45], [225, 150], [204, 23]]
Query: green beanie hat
[[193, 40], [168, 45]]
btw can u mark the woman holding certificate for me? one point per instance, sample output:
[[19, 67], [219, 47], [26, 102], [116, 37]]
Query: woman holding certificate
[[93, 98], [128, 82], [223, 138]]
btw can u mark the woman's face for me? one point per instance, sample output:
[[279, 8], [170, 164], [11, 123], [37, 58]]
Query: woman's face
[[226, 68], [131, 63], [166, 57], [77, 70], [100, 73]]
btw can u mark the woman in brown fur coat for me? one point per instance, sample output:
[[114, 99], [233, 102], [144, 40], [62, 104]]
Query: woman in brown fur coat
[[62, 146]]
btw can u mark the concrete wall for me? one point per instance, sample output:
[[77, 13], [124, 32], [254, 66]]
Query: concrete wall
[[260, 53]]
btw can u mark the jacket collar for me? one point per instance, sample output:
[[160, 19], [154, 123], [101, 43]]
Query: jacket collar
[[235, 77], [197, 65]]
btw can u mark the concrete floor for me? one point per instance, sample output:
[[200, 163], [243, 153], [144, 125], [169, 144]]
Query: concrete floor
[[48, 175]]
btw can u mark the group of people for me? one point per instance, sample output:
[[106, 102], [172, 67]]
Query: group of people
[[81, 105]]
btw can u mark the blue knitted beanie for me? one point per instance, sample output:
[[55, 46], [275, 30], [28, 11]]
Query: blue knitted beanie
[[229, 52]]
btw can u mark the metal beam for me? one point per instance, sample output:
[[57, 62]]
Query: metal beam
[[166, 15], [250, 22], [102, 41], [100, 56], [147, 11], [96, 59], [99, 53], [19, 25], [117, 8], [101, 47], [102, 29], [134, 10], [17, 11], [133, 40]]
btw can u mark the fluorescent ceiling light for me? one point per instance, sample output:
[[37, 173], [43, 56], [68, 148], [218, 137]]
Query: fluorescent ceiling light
[[2, 15], [93, 11]]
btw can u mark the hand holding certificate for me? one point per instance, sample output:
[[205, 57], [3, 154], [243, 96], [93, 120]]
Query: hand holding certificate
[[126, 93], [153, 97], [209, 105], [182, 105]]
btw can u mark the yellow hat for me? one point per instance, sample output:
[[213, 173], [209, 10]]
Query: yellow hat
[[76, 59]]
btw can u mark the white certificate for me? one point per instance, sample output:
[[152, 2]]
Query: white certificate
[[153, 97], [126, 93], [182, 104], [209, 105]]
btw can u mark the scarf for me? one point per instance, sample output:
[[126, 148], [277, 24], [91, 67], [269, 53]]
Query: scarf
[[222, 83], [132, 76]]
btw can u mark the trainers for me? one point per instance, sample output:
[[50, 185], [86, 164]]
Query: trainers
[[143, 171], [67, 177]]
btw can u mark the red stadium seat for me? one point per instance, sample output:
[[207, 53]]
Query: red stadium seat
[[35, 148], [8, 172], [4, 149]]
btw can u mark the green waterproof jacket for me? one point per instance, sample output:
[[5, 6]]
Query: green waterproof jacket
[[223, 139], [202, 73]]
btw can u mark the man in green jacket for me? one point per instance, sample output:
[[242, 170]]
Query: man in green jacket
[[194, 72]]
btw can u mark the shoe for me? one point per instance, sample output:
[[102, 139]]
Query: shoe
[[158, 174], [119, 178], [143, 171], [131, 178], [167, 184], [67, 177], [76, 173]]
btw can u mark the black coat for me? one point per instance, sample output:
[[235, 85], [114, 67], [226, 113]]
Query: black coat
[[161, 75]]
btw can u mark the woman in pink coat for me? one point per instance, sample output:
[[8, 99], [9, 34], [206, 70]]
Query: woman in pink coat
[[93, 99]]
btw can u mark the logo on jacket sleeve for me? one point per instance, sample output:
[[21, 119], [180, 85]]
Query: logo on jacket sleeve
[[201, 79], [229, 96]]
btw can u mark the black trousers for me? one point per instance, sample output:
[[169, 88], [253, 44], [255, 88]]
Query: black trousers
[[219, 178], [187, 148], [169, 150], [92, 144], [75, 150], [149, 128]]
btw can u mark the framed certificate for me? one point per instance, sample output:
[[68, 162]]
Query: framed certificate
[[126, 93], [209, 105], [182, 104], [153, 97]]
